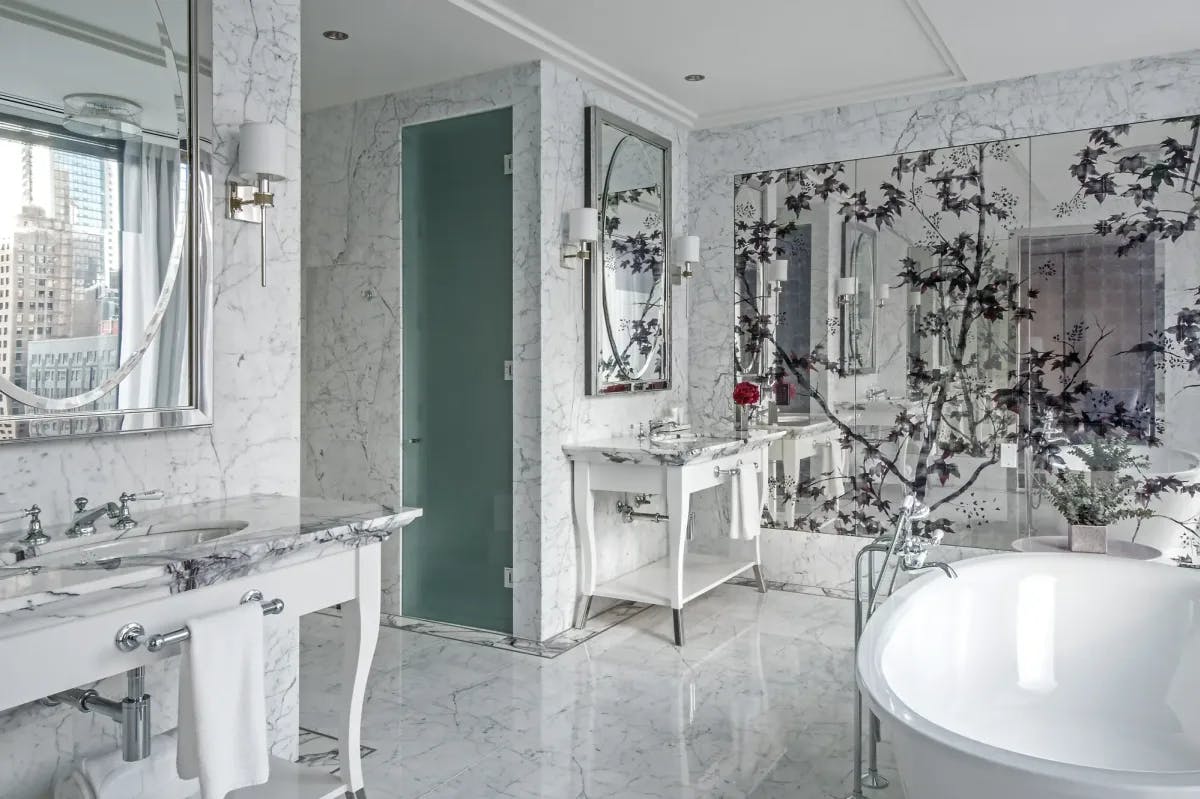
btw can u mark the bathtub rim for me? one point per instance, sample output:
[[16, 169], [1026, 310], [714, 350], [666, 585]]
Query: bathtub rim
[[894, 712]]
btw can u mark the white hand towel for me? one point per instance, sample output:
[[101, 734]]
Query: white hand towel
[[108, 776], [222, 702], [745, 516]]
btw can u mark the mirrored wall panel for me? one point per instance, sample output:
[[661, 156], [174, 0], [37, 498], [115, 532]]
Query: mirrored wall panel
[[628, 291], [1007, 330], [103, 277]]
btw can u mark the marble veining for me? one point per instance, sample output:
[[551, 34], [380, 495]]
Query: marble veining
[[278, 528], [756, 705], [353, 264], [552, 648], [254, 442], [669, 450], [547, 550], [352, 255]]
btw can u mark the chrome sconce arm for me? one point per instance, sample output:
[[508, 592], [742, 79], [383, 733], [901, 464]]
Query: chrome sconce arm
[[262, 155]]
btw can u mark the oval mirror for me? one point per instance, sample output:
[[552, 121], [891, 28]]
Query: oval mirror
[[629, 289], [95, 262]]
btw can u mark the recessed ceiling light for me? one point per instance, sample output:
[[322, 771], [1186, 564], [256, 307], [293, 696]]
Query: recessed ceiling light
[[695, 77], [337, 36]]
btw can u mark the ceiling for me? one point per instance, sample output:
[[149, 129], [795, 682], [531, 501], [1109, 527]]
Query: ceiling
[[761, 57], [44, 44]]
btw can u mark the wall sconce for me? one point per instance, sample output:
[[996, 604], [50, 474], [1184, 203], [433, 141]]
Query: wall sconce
[[686, 250], [847, 289], [777, 272], [885, 294], [262, 157], [583, 227], [914, 302]]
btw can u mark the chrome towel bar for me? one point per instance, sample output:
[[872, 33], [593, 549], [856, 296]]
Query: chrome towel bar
[[719, 472], [130, 636]]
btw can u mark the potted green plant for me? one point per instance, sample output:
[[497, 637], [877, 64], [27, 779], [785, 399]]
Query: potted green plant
[[1107, 456], [1090, 506]]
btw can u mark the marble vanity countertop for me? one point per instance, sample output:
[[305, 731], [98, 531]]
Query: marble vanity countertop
[[240, 536], [671, 449], [802, 426]]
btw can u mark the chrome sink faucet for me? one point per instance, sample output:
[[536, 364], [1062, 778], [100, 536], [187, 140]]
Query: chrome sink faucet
[[85, 518]]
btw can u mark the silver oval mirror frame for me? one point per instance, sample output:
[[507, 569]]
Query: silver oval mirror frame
[[628, 284], [171, 77]]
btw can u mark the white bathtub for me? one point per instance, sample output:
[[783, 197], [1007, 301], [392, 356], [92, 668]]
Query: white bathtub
[[1041, 676]]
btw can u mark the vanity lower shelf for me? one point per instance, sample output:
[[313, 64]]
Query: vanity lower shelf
[[651, 584]]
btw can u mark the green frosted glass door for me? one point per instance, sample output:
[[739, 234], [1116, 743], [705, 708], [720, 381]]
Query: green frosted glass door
[[457, 210]]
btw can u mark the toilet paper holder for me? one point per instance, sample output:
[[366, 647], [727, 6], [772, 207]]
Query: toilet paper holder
[[130, 636]]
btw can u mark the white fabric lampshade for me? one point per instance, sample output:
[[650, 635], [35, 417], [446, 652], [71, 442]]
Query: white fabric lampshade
[[914, 299], [262, 151], [885, 292], [847, 286], [777, 271], [687, 249], [583, 224]]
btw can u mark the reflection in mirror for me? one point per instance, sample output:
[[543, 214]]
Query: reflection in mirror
[[1039, 331], [628, 293], [858, 307], [96, 263]]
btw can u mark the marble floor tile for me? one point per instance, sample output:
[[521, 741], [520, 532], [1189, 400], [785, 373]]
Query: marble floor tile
[[564, 642], [757, 704]]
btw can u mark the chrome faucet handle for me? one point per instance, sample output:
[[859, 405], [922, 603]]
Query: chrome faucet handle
[[81, 504], [149, 493], [125, 520], [34, 536], [13, 514]]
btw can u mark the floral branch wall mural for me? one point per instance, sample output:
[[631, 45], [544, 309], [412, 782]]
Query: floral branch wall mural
[[1048, 298]]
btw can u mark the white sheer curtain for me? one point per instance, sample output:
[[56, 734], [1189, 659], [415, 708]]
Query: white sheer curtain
[[150, 180]]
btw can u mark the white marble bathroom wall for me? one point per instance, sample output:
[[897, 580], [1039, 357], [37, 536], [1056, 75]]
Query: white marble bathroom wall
[[254, 442], [353, 254], [567, 412], [1143, 89], [353, 373]]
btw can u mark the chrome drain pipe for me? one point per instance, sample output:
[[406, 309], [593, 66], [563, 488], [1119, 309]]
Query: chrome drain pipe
[[132, 713]]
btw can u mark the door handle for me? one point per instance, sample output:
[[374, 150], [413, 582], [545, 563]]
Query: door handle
[[412, 441]]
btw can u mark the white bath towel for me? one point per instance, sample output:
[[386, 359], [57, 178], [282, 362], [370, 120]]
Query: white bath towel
[[745, 516], [109, 777], [222, 702]]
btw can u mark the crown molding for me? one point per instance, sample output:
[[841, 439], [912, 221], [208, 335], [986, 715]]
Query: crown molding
[[821, 102], [951, 76], [578, 60], [500, 16]]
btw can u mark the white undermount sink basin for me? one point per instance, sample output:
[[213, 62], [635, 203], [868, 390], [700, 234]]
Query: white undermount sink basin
[[107, 554]]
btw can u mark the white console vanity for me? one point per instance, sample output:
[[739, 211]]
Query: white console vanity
[[674, 466], [87, 608]]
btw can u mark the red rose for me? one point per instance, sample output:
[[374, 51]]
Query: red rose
[[746, 393]]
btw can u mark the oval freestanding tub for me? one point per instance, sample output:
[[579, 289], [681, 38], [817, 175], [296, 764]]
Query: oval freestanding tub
[[1041, 676]]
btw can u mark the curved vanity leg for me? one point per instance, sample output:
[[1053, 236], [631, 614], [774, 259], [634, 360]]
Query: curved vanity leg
[[585, 528], [678, 508], [360, 630], [764, 488]]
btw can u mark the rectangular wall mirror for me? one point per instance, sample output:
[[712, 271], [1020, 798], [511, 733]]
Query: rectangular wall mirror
[[974, 296], [628, 294], [105, 216]]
